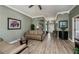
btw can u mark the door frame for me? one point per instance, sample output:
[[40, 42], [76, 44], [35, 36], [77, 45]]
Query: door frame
[[73, 29], [73, 20]]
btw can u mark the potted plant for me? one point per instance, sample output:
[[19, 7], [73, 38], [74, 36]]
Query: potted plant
[[32, 27]]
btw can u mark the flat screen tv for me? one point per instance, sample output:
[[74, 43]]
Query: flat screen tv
[[63, 24]]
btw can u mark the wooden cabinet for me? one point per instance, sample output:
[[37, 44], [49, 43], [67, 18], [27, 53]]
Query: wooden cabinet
[[63, 35]]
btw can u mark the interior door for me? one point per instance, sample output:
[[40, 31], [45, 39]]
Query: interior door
[[76, 28]]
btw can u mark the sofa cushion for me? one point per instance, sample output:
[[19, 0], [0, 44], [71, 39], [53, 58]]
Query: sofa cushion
[[31, 32], [36, 32]]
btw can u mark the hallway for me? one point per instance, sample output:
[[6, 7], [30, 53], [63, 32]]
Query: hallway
[[49, 45]]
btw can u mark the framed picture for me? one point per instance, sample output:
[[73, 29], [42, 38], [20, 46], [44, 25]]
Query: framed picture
[[14, 24]]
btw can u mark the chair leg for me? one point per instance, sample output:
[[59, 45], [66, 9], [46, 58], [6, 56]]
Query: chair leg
[[26, 42], [21, 42]]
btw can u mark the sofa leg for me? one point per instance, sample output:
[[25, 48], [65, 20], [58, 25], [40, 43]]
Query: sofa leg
[[21, 43], [41, 40], [26, 42]]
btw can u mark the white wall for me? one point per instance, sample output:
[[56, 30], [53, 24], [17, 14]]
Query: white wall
[[51, 27], [11, 35]]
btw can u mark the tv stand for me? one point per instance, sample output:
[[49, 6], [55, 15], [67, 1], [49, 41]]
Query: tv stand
[[63, 35]]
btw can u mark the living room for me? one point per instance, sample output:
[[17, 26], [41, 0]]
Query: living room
[[35, 23]]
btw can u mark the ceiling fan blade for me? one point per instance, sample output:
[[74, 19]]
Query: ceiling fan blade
[[39, 7], [31, 6]]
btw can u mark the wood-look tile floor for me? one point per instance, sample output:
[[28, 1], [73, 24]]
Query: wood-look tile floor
[[7, 48], [49, 45]]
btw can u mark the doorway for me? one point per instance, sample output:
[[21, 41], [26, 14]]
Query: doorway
[[75, 28]]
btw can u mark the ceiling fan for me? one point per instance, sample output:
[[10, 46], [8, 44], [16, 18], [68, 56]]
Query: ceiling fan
[[38, 6]]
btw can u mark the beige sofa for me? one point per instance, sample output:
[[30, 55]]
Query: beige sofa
[[35, 34]]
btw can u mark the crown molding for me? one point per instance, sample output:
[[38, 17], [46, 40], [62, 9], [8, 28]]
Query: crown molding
[[65, 11], [41, 15], [61, 14], [38, 16], [72, 8], [17, 10], [22, 12]]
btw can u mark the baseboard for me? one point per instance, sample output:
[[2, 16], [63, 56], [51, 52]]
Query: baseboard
[[12, 42], [71, 40]]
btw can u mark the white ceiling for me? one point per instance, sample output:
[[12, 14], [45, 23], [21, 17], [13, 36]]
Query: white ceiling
[[47, 10]]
